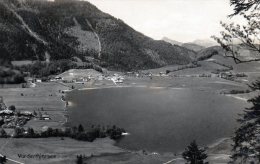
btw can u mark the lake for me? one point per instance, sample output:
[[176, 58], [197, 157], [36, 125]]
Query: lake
[[158, 119]]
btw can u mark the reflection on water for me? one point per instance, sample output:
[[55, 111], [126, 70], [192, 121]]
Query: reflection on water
[[162, 119]]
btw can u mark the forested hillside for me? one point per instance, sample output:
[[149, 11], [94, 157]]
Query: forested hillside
[[69, 29]]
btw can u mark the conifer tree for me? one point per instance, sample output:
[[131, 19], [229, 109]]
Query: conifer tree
[[247, 136], [193, 154], [80, 129], [79, 159], [3, 159]]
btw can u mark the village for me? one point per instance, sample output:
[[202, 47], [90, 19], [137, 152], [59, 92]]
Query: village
[[91, 76], [11, 118]]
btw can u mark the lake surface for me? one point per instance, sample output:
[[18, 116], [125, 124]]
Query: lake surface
[[158, 119]]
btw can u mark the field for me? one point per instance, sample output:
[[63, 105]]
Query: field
[[63, 151], [100, 151], [44, 97]]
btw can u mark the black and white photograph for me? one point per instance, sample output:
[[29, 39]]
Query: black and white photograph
[[129, 81]]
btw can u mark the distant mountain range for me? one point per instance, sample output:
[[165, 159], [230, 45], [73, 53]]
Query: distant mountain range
[[196, 45], [77, 30], [205, 43], [173, 42]]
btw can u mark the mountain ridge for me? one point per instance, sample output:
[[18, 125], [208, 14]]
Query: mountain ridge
[[63, 29], [195, 45]]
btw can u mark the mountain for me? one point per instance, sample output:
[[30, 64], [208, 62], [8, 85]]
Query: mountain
[[205, 43], [76, 30], [209, 52], [199, 44], [217, 55], [192, 46], [173, 42]]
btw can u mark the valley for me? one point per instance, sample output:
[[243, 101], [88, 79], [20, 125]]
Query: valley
[[212, 80], [48, 95], [78, 85]]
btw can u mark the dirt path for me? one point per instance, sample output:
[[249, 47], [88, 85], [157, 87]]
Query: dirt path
[[8, 159], [173, 160]]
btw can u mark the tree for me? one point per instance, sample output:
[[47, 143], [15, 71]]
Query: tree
[[74, 130], [40, 116], [3, 133], [30, 132], [247, 136], [34, 113], [3, 159], [193, 154], [242, 5], [242, 36], [12, 108], [49, 132], [18, 132], [80, 128], [246, 139], [79, 159]]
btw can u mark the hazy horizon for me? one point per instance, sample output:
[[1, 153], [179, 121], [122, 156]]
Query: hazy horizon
[[180, 20]]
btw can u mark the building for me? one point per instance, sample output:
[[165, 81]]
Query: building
[[38, 80], [227, 75], [30, 80], [58, 78], [45, 117]]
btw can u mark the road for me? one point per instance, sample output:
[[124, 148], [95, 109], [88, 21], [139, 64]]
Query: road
[[14, 161]]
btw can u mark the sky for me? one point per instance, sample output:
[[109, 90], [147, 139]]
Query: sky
[[181, 20]]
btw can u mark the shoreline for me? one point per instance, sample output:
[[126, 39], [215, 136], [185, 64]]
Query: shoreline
[[92, 87], [237, 97], [63, 110], [214, 155], [211, 145], [130, 86]]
